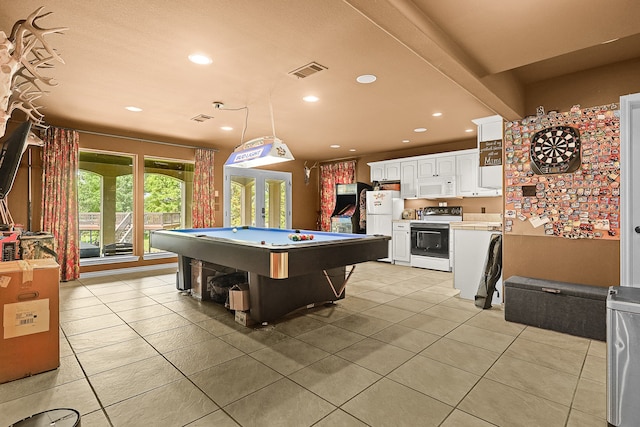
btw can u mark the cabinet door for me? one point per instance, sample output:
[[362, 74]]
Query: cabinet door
[[467, 182], [490, 177], [426, 168], [489, 192], [446, 166], [401, 246], [490, 131], [392, 171], [377, 172], [408, 179]]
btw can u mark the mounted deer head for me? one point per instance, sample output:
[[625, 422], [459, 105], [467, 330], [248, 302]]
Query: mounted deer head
[[307, 172], [23, 54]]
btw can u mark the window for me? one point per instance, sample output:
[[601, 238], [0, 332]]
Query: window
[[168, 191], [105, 204], [107, 221]]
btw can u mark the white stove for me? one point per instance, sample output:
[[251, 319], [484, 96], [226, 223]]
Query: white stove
[[431, 239]]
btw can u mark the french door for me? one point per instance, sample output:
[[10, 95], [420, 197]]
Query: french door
[[257, 197]]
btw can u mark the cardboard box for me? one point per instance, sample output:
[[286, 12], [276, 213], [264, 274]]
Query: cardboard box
[[239, 297], [29, 318], [244, 318], [200, 271]]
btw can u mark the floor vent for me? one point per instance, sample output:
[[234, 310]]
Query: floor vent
[[307, 70], [201, 118]]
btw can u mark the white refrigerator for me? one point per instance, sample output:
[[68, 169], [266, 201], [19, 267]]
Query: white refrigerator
[[382, 208]]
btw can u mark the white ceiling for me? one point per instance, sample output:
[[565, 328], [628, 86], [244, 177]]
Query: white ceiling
[[464, 58]]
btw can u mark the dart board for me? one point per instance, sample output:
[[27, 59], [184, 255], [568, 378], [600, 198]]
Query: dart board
[[555, 150]]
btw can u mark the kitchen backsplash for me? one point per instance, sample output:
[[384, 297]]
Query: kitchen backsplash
[[469, 204]]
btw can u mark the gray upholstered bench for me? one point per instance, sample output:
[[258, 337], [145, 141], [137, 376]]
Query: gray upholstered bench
[[564, 307]]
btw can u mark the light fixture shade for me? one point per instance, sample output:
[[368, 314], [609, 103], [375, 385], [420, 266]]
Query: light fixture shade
[[262, 151]]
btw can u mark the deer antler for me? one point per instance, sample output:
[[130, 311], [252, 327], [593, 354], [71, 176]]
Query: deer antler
[[22, 57], [26, 33], [307, 172]]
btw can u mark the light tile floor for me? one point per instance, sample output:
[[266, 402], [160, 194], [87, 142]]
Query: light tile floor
[[401, 350]]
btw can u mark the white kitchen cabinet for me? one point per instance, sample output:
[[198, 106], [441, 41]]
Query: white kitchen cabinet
[[468, 167], [426, 167], [436, 166], [377, 172], [401, 243], [490, 129], [392, 171], [408, 178], [385, 171], [446, 166]]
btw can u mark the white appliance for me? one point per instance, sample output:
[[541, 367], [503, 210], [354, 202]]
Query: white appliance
[[431, 241], [382, 208], [470, 253], [623, 346], [437, 187]]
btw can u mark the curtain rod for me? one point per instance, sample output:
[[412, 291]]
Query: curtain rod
[[109, 135], [152, 141], [340, 159]]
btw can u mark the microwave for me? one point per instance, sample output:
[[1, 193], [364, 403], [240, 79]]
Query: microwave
[[437, 187]]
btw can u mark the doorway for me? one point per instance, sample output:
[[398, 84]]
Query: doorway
[[258, 198]]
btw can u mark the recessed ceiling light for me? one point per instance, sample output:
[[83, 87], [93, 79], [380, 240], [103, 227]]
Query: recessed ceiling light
[[311, 98], [134, 109], [468, 130], [334, 146], [198, 58], [420, 130], [438, 114], [366, 78], [406, 141], [226, 128], [352, 149]]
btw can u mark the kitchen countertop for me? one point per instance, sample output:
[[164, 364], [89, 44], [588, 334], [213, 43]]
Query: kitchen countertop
[[471, 221], [476, 225], [479, 221]]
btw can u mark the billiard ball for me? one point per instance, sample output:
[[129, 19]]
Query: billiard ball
[[262, 242], [235, 230]]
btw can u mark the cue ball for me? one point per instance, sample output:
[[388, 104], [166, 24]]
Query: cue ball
[[235, 230]]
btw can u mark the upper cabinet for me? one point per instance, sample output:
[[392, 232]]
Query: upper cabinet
[[388, 170], [490, 131], [408, 179], [436, 166], [468, 174], [442, 175]]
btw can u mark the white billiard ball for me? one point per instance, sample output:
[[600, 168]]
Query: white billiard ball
[[235, 230]]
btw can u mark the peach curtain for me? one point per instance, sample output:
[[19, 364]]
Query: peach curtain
[[203, 211], [330, 175], [60, 197]]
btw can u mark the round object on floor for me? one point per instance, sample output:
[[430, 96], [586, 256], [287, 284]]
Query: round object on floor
[[61, 417]]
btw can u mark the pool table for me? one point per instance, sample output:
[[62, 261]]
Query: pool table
[[283, 274]]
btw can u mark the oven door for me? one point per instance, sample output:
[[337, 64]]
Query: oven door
[[430, 240]]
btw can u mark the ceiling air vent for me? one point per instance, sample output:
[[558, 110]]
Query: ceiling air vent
[[201, 118], [307, 70]]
